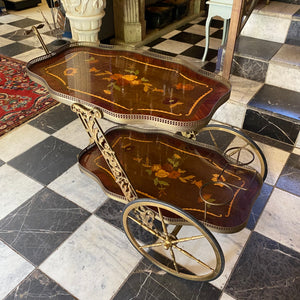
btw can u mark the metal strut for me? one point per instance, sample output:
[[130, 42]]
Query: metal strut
[[88, 117]]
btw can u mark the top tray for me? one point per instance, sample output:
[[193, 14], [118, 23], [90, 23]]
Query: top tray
[[131, 86]]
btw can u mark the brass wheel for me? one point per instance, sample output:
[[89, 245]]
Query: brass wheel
[[236, 146], [190, 252]]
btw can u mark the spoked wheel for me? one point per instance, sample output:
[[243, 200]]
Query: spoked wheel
[[236, 146], [180, 244]]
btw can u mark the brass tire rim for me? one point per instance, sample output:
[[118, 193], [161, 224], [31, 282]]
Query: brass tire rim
[[249, 142], [174, 245]]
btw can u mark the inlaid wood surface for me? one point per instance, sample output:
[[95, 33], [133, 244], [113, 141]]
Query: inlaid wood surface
[[130, 85], [174, 170]]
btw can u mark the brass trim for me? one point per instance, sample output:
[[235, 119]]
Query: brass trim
[[172, 244]]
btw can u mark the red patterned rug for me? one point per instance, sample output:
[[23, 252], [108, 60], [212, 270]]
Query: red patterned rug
[[20, 98]]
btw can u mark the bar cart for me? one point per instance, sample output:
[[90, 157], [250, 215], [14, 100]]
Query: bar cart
[[178, 176]]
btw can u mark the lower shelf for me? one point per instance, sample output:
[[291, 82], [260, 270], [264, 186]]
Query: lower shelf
[[194, 177]]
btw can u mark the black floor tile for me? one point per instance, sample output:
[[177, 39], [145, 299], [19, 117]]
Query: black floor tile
[[213, 23], [249, 68], [162, 52], [210, 66], [26, 22], [54, 119], [290, 176], [277, 100], [184, 27], [297, 14], [15, 49], [17, 35], [256, 48], [1, 162], [111, 211], [217, 35], [47, 160], [293, 36], [265, 270], [217, 138], [259, 205], [149, 282], [197, 52], [269, 141], [276, 128], [187, 37], [38, 286], [37, 227], [155, 42]]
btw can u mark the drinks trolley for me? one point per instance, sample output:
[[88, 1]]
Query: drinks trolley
[[178, 176]]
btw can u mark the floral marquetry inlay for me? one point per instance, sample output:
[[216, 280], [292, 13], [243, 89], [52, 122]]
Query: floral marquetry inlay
[[131, 85]]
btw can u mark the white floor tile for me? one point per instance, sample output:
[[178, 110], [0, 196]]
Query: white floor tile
[[34, 41], [243, 89], [19, 141], [13, 268], [172, 46], [200, 29], [171, 34], [5, 42], [276, 159], [291, 74], [277, 8], [214, 43], [296, 151], [226, 297], [230, 113], [232, 246], [35, 12], [197, 20], [29, 55], [93, 262], [15, 189], [74, 134], [194, 62], [280, 219], [270, 28], [79, 188], [10, 18], [6, 28]]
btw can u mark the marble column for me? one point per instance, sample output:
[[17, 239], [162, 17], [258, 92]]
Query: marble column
[[85, 18], [196, 6], [129, 19]]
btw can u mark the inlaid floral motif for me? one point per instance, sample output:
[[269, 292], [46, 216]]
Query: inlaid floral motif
[[163, 175]]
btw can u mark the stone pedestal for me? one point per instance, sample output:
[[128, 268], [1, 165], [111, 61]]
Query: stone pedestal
[[85, 18], [129, 18]]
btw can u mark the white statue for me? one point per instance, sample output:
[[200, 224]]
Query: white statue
[[85, 18]]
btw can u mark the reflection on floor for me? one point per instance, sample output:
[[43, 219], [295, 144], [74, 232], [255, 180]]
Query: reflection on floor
[[61, 237]]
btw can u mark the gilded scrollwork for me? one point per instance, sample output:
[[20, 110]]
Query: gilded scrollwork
[[88, 117], [146, 216]]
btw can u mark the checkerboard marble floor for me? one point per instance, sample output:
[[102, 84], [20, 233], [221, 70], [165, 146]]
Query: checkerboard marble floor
[[61, 238]]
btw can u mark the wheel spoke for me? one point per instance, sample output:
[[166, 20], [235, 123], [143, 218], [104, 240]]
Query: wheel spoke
[[165, 250], [151, 245], [163, 223], [193, 257], [192, 238], [213, 139], [146, 228], [174, 260]]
